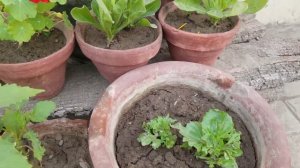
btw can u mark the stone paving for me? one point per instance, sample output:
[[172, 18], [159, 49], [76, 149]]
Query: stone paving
[[288, 111]]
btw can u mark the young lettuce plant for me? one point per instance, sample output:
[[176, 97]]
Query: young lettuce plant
[[14, 130], [220, 9], [215, 139], [21, 19], [112, 16], [158, 133]]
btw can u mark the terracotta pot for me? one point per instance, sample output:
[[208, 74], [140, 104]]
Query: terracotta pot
[[268, 134], [114, 63], [47, 73], [192, 47]]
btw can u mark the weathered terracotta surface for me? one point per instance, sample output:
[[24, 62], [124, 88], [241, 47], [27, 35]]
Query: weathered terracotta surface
[[192, 47], [114, 63], [47, 73], [268, 134]]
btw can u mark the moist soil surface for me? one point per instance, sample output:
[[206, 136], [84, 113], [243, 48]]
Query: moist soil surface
[[197, 23], [184, 104], [38, 47], [66, 151], [126, 39]]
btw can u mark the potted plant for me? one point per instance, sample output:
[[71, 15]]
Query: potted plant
[[46, 144], [198, 31], [35, 44], [185, 93], [118, 36]]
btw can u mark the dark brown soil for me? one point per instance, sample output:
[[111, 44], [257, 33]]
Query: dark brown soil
[[38, 47], [197, 23], [184, 104], [64, 151], [126, 39]]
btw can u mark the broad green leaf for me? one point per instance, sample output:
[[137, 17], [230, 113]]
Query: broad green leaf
[[137, 9], [152, 6], [11, 94], [190, 6], [118, 12], [39, 22], [49, 23], [255, 5], [4, 35], [237, 9], [216, 121], [105, 19], [66, 20], [83, 15], [21, 9], [14, 122], [10, 157], [62, 2], [21, 31], [146, 23], [41, 111], [44, 7], [215, 13], [38, 149]]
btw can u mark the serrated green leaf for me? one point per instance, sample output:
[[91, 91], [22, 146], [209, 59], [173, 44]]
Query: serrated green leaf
[[21, 9], [11, 94], [41, 111], [14, 122], [21, 31], [38, 149], [10, 157]]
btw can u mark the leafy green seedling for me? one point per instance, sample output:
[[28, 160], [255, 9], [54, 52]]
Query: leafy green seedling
[[215, 139], [112, 16], [14, 150], [220, 9], [158, 133]]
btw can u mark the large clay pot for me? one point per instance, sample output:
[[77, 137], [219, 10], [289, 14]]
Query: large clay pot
[[268, 134], [192, 47], [47, 73], [114, 63]]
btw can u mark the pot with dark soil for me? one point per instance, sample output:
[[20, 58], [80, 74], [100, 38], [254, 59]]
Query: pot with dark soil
[[35, 54], [198, 31], [125, 41], [184, 94]]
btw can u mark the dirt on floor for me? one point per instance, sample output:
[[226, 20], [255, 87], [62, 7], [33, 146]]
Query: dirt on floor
[[66, 151], [40, 46], [184, 104], [126, 39], [197, 23]]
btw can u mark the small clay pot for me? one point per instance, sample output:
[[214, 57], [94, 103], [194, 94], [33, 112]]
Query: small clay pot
[[270, 140], [47, 73], [192, 47], [113, 63]]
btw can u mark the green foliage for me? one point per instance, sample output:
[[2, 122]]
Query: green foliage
[[14, 125], [219, 9], [215, 139], [158, 133], [112, 16], [21, 19]]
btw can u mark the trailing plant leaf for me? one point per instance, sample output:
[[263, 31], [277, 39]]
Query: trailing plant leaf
[[158, 133], [111, 17], [220, 9], [215, 139], [10, 157], [38, 149]]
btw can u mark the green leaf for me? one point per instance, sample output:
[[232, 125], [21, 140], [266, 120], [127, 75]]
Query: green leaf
[[20, 9], [146, 23], [39, 22], [10, 157], [41, 111], [66, 20], [83, 15], [44, 7], [62, 2], [152, 6], [255, 5], [237, 9], [38, 149], [11, 94], [190, 6], [14, 122], [21, 31], [215, 13], [4, 35]]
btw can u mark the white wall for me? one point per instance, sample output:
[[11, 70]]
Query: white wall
[[280, 11]]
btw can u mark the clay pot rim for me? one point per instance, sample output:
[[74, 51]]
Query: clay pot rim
[[69, 42], [171, 28], [80, 39]]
